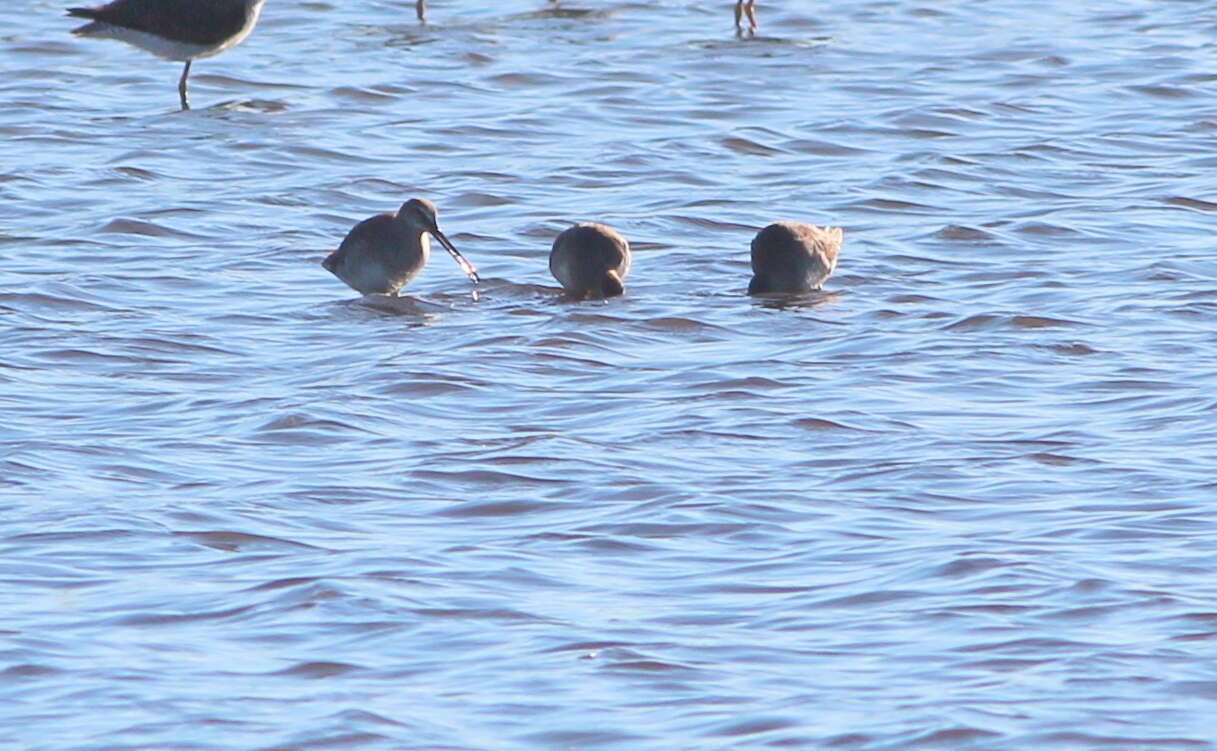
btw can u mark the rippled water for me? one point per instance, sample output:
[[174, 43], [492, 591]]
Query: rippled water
[[962, 500]]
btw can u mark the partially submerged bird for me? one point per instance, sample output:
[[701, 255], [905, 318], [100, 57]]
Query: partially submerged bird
[[793, 257], [590, 260], [380, 255], [182, 30]]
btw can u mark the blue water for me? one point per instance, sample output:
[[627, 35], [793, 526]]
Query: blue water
[[960, 500]]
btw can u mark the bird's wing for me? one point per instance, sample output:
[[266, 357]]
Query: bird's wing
[[192, 21], [369, 235]]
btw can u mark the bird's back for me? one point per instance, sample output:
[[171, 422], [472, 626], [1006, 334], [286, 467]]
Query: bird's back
[[202, 22], [794, 256], [590, 259]]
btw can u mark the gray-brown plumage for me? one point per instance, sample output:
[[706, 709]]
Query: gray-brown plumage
[[793, 257], [380, 255], [591, 261], [182, 30]]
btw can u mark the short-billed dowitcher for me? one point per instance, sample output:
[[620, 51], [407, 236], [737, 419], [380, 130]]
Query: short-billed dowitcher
[[590, 260], [793, 257], [380, 255]]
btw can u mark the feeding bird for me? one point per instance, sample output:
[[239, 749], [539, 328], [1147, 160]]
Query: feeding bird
[[590, 260], [182, 30], [381, 254], [793, 257]]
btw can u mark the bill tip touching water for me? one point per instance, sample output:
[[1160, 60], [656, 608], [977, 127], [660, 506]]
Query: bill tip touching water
[[591, 261], [793, 257], [382, 254]]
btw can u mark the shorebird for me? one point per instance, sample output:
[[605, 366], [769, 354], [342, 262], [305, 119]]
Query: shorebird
[[182, 30], [381, 254], [590, 260], [793, 257]]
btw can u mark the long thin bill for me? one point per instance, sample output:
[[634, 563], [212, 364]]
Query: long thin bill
[[469, 269]]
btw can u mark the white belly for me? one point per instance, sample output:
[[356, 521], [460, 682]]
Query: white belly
[[168, 48]]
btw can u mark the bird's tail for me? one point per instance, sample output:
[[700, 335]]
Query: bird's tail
[[96, 28]]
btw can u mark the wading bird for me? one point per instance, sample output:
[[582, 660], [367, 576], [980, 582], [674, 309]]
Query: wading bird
[[590, 260], [380, 255], [182, 30], [793, 257]]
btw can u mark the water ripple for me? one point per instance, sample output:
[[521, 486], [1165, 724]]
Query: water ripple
[[960, 499]]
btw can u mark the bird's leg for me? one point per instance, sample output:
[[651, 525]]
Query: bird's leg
[[181, 87], [750, 10], [420, 8], [745, 9]]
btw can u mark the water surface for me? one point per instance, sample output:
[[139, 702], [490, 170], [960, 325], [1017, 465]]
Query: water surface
[[960, 500]]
